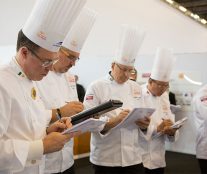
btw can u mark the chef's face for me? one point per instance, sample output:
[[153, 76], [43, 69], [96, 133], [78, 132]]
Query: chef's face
[[121, 73], [36, 63], [156, 87], [67, 59]]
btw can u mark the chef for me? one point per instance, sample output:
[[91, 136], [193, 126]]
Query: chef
[[200, 109], [25, 133], [118, 151], [58, 89], [155, 96]]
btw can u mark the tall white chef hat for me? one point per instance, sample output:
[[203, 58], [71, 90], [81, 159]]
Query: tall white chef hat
[[129, 44], [79, 32], [163, 65], [50, 21]]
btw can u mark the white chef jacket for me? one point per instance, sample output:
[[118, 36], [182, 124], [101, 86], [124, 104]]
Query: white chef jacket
[[23, 121], [200, 116], [119, 147], [154, 149], [55, 90]]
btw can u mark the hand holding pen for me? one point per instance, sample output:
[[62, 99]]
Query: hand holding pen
[[165, 127], [60, 125]]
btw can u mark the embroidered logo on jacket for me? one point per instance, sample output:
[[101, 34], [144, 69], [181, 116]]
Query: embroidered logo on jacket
[[204, 99], [33, 93], [89, 97]]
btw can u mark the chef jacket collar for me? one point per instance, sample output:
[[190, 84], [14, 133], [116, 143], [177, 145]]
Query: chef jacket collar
[[17, 68], [110, 77]]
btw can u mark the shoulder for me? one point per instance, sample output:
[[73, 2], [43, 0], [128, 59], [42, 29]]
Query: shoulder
[[99, 82], [201, 95], [8, 80]]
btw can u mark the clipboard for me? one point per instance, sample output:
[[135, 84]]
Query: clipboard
[[134, 115], [175, 108], [85, 126], [176, 125], [96, 111]]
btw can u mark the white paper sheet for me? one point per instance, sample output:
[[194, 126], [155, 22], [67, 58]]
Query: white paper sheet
[[85, 126], [175, 108], [178, 124], [134, 115]]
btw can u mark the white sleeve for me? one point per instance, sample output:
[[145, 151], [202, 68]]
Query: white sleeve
[[13, 151]]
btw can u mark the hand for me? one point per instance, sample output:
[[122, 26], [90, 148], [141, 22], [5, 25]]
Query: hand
[[55, 141], [143, 123], [60, 125], [115, 120], [71, 108], [170, 131], [121, 116], [165, 128]]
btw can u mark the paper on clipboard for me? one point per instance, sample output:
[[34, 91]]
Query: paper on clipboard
[[134, 115], [175, 108], [85, 126], [178, 124]]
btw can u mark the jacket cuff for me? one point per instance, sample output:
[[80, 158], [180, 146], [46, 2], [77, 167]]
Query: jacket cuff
[[35, 150]]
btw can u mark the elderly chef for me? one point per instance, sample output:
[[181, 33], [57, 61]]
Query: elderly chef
[[59, 87]]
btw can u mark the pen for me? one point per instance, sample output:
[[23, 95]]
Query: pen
[[58, 116]]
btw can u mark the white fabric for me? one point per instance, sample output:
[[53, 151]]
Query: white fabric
[[130, 41], [22, 123], [200, 116], [153, 150], [120, 147], [56, 89], [50, 20], [163, 65], [79, 32]]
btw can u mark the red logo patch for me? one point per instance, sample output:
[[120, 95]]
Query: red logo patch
[[204, 99], [89, 97]]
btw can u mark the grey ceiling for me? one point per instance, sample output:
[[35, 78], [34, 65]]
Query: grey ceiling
[[196, 6]]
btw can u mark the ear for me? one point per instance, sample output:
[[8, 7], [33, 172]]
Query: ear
[[24, 52], [112, 65]]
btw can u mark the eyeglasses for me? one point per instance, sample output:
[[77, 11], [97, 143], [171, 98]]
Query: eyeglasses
[[161, 86], [73, 59], [133, 72], [69, 56], [130, 71], [44, 63]]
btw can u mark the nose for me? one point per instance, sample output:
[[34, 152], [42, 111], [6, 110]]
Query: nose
[[72, 63]]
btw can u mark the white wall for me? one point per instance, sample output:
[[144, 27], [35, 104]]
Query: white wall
[[164, 25], [13, 15]]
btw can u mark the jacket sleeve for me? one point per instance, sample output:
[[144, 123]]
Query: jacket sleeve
[[14, 152], [171, 116]]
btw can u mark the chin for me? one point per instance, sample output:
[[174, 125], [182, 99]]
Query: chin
[[38, 79]]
